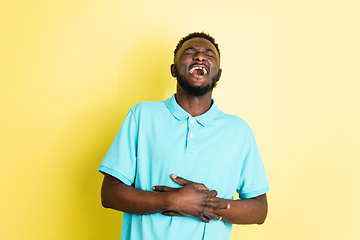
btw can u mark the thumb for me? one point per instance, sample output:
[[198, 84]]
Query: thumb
[[183, 182], [180, 180]]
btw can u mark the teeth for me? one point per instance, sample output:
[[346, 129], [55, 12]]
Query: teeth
[[196, 68]]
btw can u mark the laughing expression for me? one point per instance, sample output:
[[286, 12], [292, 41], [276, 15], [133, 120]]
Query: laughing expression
[[196, 64]]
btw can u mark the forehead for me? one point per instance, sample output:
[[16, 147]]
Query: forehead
[[198, 43]]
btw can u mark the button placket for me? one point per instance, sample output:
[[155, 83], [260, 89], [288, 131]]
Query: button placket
[[191, 139]]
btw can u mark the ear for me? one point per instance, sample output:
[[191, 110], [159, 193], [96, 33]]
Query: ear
[[173, 70], [219, 73]]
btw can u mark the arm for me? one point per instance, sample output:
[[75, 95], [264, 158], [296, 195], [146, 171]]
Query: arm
[[243, 211], [190, 200], [119, 196]]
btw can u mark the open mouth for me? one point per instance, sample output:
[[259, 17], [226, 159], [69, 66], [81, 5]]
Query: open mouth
[[198, 71]]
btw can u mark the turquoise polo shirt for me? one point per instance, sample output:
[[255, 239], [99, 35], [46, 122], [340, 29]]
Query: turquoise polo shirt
[[157, 139]]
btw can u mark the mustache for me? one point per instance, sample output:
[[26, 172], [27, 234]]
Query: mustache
[[217, 78], [196, 91]]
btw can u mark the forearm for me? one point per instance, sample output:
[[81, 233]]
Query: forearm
[[244, 211], [119, 196]]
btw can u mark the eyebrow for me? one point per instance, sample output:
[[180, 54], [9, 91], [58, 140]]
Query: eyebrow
[[206, 50]]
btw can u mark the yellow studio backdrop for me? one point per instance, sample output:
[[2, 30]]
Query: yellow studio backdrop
[[70, 71]]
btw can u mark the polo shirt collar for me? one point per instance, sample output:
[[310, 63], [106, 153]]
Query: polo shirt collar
[[180, 114]]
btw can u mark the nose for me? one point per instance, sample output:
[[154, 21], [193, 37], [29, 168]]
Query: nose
[[199, 56]]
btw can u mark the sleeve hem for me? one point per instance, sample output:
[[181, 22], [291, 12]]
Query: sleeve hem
[[254, 193], [103, 169]]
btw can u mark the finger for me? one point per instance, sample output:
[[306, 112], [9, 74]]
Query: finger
[[218, 204], [204, 218], [179, 180], [164, 189], [212, 193], [172, 213], [212, 215]]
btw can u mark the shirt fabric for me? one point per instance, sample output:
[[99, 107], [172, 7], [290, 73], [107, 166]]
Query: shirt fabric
[[157, 139]]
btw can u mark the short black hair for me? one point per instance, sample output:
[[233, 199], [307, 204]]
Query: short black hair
[[197, 35]]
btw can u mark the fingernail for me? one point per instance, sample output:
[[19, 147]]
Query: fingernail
[[173, 175], [153, 188], [228, 206], [220, 218]]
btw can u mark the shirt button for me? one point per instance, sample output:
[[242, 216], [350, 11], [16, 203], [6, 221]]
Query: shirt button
[[191, 136], [192, 121]]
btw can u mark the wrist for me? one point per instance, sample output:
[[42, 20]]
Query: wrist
[[170, 201]]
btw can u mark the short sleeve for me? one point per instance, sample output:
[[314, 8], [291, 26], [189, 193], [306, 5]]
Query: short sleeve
[[253, 181], [120, 160]]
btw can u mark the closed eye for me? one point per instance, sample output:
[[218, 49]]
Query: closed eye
[[189, 52]]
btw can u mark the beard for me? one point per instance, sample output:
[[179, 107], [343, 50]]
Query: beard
[[196, 91]]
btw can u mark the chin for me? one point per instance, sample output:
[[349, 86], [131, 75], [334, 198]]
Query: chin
[[196, 89]]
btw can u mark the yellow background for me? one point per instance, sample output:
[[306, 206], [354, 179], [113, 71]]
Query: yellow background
[[71, 69]]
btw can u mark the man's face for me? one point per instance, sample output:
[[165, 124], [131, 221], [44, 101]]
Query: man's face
[[196, 66]]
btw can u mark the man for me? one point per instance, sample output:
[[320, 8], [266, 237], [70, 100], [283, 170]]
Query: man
[[175, 165]]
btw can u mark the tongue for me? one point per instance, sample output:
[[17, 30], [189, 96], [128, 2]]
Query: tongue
[[199, 72]]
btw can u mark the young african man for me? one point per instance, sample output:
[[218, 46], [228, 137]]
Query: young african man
[[213, 153]]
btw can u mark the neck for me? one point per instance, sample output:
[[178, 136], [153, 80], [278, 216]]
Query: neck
[[195, 106]]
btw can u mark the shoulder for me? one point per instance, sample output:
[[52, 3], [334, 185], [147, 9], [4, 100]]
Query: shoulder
[[148, 108], [232, 121]]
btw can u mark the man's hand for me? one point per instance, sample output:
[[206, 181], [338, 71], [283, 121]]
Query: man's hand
[[193, 199]]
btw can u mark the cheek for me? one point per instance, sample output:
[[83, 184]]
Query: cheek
[[215, 70], [182, 68]]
